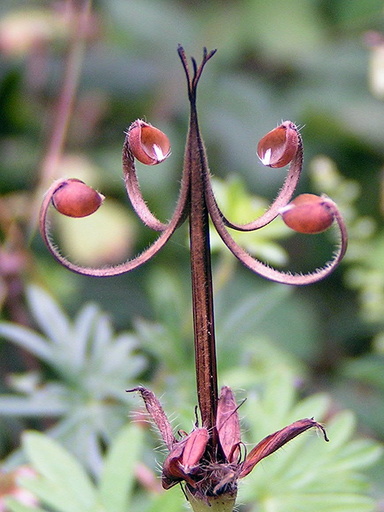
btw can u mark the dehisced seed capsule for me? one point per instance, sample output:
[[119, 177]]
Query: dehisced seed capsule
[[278, 147]]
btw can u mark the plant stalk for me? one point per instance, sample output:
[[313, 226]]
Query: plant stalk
[[202, 293]]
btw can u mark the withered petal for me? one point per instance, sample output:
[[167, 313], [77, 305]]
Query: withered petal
[[275, 441], [172, 470], [184, 457], [195, 445]]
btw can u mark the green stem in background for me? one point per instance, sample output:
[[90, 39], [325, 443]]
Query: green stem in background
[[79, 23]]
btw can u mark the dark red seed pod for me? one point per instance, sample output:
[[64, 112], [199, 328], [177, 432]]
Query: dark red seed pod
[[278, 147], [309, 214], [75, 199]]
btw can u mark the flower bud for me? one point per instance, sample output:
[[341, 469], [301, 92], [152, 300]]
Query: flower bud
[[75, 199], [278, 147], [308, 213], [147, 144]]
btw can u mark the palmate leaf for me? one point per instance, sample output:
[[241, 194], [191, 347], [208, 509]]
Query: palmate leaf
[[46, 402], [15, 506], [307, 474], [170, 501], [28, 340], [118, 475], [81, 332], [93, 365], [63, 483], [48, 315], [319, 502]]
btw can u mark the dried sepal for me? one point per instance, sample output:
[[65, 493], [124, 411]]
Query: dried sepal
[[309, 214], [228, 424], [74, 198], [273, 442], [157, 415], [172, 471], [148, 145], [182, 463], [278, 147], [195, 446]]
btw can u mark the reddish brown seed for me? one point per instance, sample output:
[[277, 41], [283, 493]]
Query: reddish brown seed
[[75, 199], [309, 214], [278, 147], [147, 144]]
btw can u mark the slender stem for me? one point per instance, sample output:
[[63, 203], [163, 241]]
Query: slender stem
[[80, 15], [202, 293]]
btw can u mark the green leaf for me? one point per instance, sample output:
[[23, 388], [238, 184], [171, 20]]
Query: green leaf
[[169, 501], [56, 498], [358, 454], [314, 405], [279, 395], [341, 428], [318, 502], [41, 404], [101, 342], [48, 314], [82, 327], [14, 505], [308, 474], [64, 482], [27, 339], [118, 476]]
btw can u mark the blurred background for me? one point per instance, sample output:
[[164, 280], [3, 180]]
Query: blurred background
[[70, 85]]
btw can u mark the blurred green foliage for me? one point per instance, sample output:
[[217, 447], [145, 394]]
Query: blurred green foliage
[[84, 394], [317, 62]]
